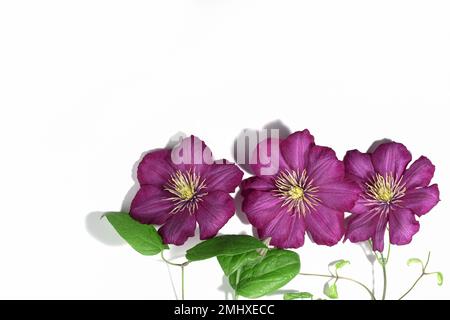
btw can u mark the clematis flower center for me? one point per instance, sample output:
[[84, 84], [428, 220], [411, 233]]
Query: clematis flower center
[[186, 192], [385, 194], [386, 190], [297, 191], [187, 189]]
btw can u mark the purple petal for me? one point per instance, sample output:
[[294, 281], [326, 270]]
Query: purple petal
[[260, 207], [391, 158], [339, 195], [267, 159], [422, 200], [213, 213], [178, 228], [276, 226], [402, 226], [419, 174], [192, 154], [256, 183], [295, 149], [150, 205], [224, 177], [323, 166], [369, 225], [296, 237], [378, 238], [155, 168], [358, 166], [360, 206], [362, 227], [325, 225], [286, 230]]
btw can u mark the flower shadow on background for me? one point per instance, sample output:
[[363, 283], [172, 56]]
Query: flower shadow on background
[[283, 132]]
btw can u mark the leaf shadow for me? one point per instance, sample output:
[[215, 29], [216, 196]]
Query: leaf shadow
[[226, 288], [101, 230]]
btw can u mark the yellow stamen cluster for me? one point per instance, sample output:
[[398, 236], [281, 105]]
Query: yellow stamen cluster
[[385, 189], [186, 189], [297, 191]]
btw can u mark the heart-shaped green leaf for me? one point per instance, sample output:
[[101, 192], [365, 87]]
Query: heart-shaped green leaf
[[141, 237], [272, 272], [297, 295], [330, 291], [229, 245]]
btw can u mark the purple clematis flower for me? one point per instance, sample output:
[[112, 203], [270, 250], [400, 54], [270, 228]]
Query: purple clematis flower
[[390, 193], [182, 187], [305, 192]]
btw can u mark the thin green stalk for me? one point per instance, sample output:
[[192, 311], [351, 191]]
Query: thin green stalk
[[182, 265], [383, 262], [372, 296], [424, 273], [172, 263], [412, 287]]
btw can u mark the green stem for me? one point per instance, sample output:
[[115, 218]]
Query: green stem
[[372, 296], [182, 265], [424, 273], [412, 287], [383, 265]]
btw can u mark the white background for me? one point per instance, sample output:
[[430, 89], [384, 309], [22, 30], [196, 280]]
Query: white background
[[87, 86]]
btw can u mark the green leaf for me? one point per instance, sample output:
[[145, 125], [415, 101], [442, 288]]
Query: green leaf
[[414, 261], [272, 272], [341, 263], [331, 291], [297, 295], [224, 246], [141, 237], [440, 278], [231, 264]]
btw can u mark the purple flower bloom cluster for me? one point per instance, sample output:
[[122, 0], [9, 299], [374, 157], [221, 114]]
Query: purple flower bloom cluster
[[298, 187]]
